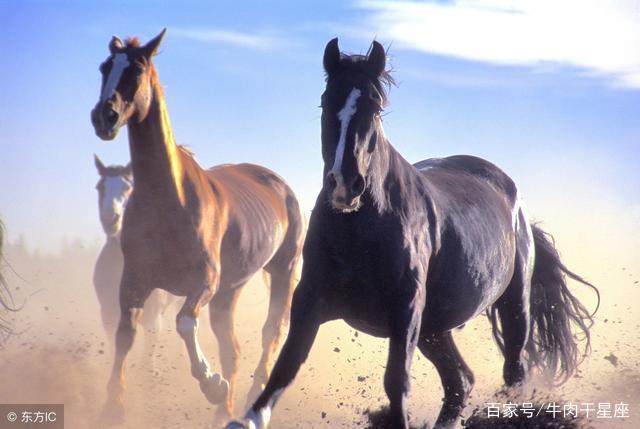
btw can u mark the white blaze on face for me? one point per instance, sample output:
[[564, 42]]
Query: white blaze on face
[[344, 116], [118, 66], [116, 191]]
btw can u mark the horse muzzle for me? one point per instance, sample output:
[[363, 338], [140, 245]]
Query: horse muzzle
[[105, 120], [344, 196]]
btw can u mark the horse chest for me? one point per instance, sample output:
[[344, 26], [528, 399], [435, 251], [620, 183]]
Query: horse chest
[[355, 259], [357, 287], [166, 249], [367, 252]]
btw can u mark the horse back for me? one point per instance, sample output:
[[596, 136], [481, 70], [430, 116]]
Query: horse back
[[476, 206], [259, 213], [251, 191], [470, 167]]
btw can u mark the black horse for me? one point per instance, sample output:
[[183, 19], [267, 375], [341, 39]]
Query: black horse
[[411, 252]]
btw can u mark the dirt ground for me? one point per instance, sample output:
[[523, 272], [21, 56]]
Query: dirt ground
[[60, 353]]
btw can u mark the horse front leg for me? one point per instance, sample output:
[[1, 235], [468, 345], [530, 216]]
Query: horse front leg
[[214, 387], [457, 378], [281, 290], [132, 299], [405, 319], [305, 321]]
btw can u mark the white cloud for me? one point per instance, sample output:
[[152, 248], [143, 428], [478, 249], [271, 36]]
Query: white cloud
[[600, 36], [263, 42]]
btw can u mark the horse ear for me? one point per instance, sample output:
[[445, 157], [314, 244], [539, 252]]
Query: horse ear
[[331, 59], [151, 48], [115, 44], [376, 59], [99, 165]]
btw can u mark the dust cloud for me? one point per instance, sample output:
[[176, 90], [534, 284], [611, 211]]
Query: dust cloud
[[59, 353]]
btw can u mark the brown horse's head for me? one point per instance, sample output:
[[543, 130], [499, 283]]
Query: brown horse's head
[[126, 90]]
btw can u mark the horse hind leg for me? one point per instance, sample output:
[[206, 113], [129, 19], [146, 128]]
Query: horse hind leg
[[221, 314], [282, 284], [457, 379], [282, 269], [515, 318], [514, 323]]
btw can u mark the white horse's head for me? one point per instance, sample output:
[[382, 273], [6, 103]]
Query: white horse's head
[[114, 188]]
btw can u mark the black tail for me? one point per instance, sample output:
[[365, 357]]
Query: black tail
[[552, 345]]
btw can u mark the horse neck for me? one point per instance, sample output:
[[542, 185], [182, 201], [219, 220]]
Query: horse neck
[[388, 172], [155, 158]]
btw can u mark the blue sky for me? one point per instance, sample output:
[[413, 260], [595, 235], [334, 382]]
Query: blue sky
[[550, 93]]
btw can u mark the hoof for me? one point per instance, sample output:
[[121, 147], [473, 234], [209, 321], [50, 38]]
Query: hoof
[[112, 413], [513, 391], [449, 417], [215, 388]]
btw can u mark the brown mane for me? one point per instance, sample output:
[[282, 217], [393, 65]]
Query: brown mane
[[189, 154], [187, 151]]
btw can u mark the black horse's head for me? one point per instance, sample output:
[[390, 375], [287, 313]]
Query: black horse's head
[[351, 105]]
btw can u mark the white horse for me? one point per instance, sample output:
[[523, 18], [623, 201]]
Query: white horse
[[114, 188]]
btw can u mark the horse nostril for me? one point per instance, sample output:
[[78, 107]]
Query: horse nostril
[[112, 117], [357, 188]]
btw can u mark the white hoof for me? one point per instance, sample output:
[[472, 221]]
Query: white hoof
[[253, 420], [215, 388]]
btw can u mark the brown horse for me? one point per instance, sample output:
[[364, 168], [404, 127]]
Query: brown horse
[[196, 233]]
